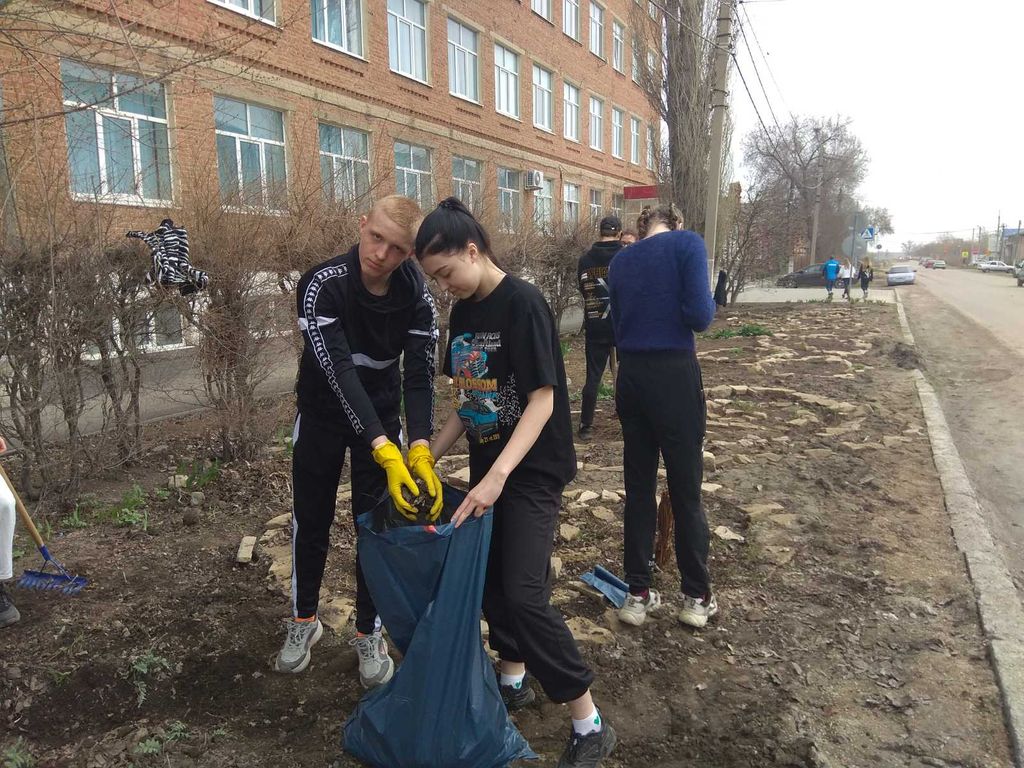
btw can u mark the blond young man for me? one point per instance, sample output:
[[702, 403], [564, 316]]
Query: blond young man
[[360, 314]]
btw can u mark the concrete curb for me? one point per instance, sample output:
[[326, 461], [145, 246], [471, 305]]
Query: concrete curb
[[908, 337], [999, 605]]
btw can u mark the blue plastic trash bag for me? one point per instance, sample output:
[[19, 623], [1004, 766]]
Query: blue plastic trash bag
[[442, 709]]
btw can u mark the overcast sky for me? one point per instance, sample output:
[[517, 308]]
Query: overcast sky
[[932, 87]]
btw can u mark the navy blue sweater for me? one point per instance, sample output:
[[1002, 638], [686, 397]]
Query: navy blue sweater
[[660, 293]]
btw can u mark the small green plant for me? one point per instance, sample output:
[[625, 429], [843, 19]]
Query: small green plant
[[130, 510], [162, 494], [142, 667], [75, 519], [219, 733], [754, 329], [176, 731], [721, 333], [565, 347], [150, 746], [18, 756], [17, 553], [199, 473], [605, 391]]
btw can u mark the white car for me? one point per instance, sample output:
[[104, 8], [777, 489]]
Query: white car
[[995, 266], [900, 276]]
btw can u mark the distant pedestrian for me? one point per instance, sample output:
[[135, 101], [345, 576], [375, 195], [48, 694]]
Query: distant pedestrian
[[846, 277], [660, 296], [721, 292], [867, 274], [8, 613], [628, 237], [830, 269]]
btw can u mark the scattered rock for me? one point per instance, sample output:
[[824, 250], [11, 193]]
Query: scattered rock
[[556, 566], [245, 550], [756, 511], [710, 488], [728, 534], [588, 496], [459, 479], [586, 631], [721, 391], [568, 532], [784, 521], [709, 462], [197, 498], [603, 513], [571, 493], [177, 481], [891, 441], [778, 555], [281, 521], [336, 612], [610, 496]]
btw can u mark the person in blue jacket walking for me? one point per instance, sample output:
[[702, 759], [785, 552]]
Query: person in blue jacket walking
[[831, 271], [659, 297]]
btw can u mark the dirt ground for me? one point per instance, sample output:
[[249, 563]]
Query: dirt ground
[[848, 634]]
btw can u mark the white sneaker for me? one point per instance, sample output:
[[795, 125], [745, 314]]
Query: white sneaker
[[295, 654], [696, 612], [375, 666], [634, 611]]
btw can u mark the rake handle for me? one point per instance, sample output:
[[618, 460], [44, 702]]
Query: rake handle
[[22, 512]]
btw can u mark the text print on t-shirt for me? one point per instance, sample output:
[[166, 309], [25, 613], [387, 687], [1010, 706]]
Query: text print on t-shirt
[[484, 407], [595, 293]]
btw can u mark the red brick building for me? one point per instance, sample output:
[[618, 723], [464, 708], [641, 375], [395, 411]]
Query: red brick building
[[525, 108]]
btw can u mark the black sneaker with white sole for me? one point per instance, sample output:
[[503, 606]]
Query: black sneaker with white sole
[[588, 751], [516, 697], [8, 613]]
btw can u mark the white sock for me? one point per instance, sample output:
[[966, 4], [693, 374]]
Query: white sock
[[516, 681], [590, 724]]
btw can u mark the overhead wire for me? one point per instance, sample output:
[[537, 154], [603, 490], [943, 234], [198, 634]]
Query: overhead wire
[[764, 57]]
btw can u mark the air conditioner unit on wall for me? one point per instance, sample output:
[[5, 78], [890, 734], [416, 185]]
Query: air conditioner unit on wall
[[534, 180]]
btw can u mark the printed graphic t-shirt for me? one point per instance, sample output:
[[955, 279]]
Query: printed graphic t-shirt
[[500, 349]]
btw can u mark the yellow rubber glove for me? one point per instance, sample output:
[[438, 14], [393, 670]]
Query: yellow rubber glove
[[421, 463], [389, 457]]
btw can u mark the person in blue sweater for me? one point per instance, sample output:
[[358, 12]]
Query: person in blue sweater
[[659, 296], [831, 271]]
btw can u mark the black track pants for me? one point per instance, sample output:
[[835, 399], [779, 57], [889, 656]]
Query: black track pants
[[598, 351], [317, 460], [660, 401]]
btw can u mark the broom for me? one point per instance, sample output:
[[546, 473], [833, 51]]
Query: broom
[[664, 542], [43, 579]]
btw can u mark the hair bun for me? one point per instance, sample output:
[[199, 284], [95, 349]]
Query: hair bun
[[450, 204]]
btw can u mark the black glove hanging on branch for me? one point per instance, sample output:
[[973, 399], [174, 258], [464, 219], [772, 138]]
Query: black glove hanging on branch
[[171, 266]]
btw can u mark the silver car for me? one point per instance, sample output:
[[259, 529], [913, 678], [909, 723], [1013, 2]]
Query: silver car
[[900, 276]]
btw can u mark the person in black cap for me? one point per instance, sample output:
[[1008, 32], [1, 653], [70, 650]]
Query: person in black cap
[[592, 273]]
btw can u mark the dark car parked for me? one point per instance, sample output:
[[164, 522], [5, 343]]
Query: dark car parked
[[808, 277]]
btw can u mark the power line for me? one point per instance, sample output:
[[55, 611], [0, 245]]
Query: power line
[[764, 91], [767, 64], [687, 27]]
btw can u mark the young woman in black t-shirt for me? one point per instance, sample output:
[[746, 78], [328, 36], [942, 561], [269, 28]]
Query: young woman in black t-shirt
[[512, 403]]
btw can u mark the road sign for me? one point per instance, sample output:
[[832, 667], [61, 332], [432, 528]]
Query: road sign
[[868, 234]]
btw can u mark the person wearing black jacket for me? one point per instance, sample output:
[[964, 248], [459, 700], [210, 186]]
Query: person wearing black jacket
[[360, 314], [592, 274]]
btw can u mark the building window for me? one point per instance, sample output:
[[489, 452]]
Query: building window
[[510, 198], [596, 205], [652, 67], [572, 112], [571, 203], [636, 61], [652, 10], [338, 23], [407, 38], [117, 146], [618, 45], [650, 147], [596, 30], [506, 81], [618, 121], [250, 154], [618, 203], [541, 8], [544, 204], [413, 177], [344, 164], [634, 140], [164, 329], [596, 123], [466, 182], [463, 61], [571, 18], [543, 104], [258, 9]]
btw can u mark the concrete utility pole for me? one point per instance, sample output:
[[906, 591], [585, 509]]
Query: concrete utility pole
[[719, 104], [817, 196]]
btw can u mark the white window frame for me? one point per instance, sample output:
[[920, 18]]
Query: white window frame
[[544, 204], [618, 204], [571, 202], [652, 10], [510, 196], [475, 186], [596, 123], [542, 8], [543, 99], [420, 174], [618, 45], [597, 29], [652, 66], [506, 81], [343, 13], [636, 61], [110, 109], [634, 138], [263, 143], [343, 165], [471, 58], [248, 9], [618, 129], [596, 205], [571, 108], [650, 147], [571, 15], [416, 32]]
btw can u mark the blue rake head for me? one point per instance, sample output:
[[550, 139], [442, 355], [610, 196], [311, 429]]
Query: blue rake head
[[46, 580]]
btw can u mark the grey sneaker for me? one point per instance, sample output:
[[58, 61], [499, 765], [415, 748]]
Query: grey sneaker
[[302, 635], [588, 751], [696, 611], [634, 611], [8, 613], [375, 666]]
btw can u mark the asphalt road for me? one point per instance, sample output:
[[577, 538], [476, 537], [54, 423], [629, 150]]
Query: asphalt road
[[969, 328]]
